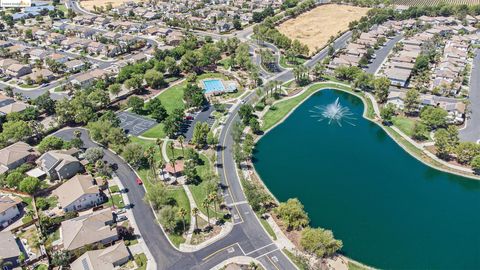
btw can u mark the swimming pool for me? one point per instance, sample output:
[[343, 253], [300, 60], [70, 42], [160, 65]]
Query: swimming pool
[[213, 85]]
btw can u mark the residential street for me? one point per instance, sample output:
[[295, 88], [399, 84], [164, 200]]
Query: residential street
[[382, 53], [472, 131]]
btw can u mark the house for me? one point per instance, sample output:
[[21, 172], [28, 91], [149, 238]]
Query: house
[[73, 66], [18, 70], [5, 63], [398, 76], [15, 155], [39, 73], [103, 259], [88, 78], [59, 58], [37, 54], [9, 250], [79, 193], [15, 106], [59, 164], [9, 209], [55, 38], [88, 229], [396, 98]]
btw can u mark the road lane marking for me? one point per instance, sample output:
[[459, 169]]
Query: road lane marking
[[260, 248], [274, 264], [237, 203], [218, 251], [266, 253]]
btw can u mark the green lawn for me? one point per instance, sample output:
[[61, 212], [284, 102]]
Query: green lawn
[[116, 200], [141, 261], [172, 98], [404, 124], [285, 64], [155, 132], [28, 86], [114, 189], [284, 107], [268, 228], [179, 195], [177, 151]]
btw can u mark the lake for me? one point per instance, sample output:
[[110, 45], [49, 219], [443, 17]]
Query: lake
[[390, 210]]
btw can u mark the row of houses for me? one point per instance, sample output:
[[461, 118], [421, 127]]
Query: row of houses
[[448, 74], [357, 49], [456, 108]]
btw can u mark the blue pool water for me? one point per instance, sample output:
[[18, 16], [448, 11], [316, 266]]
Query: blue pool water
[[213, 85]]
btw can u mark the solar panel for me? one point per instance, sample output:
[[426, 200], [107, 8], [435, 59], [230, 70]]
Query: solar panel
[[85, 264]]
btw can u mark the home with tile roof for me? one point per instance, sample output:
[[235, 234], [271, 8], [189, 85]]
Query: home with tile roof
[[79, 193]]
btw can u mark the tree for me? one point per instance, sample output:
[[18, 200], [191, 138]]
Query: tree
[[211, 139], [13, 179], [157, 195], [434, 117], [347, 73], [133, 153], [475, 163], [441, 143], [381, 86], [50, 143], [411, 101], [16, 131], [387, 113], [115, 89], [154, 79], [420, 131], [156, 110], [319, 242], [168, 217], [182, 213], [45, 103], [195, 212], [8, 91], [190, 172], [93, 154], [466, 151], [194, 96], [364, 81], [181, 140], [292, 213], [318, 71], [200, 132], [136, 104], [42, 203], [248, 145], [61, 258], [29, 185], [206, 205], [255, 125], [453, 138], [246, 113]]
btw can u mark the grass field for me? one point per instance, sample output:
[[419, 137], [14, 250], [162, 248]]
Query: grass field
[[435, 2], [404, 124], [315, 27]]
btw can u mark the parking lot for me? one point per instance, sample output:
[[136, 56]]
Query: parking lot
[[135, 124]]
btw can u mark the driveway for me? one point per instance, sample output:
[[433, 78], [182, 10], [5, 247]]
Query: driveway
[[202, 116], [471, 132]]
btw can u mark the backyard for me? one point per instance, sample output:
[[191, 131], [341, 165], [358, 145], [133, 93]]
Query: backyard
[[314, 28]]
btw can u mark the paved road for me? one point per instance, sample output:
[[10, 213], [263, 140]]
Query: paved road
[[246, 239], [472, 131], [382, 53]]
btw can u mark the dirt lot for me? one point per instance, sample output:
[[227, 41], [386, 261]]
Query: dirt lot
[[88, 4], [315, 27]]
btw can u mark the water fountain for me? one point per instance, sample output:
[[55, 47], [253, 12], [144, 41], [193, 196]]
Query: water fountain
[[333, 112]]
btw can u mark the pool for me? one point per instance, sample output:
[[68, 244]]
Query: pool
[[213, 85]]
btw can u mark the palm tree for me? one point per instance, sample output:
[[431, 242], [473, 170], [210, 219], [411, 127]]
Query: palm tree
[[195, 214], [150, 155], [213, 197], [77, 133], [161, 165], [181, 140], [172, 162], [206, 204], [182, 213], [172, 148]]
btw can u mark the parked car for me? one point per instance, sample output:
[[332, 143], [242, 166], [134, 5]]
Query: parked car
[[121, 218], [120, 211], [189, 117], [139, 181]]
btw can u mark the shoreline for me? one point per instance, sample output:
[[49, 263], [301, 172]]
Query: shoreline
[[365, 116], [426, 161]]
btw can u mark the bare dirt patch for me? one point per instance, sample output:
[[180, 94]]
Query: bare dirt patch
[[316, 26], [89, 4]]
